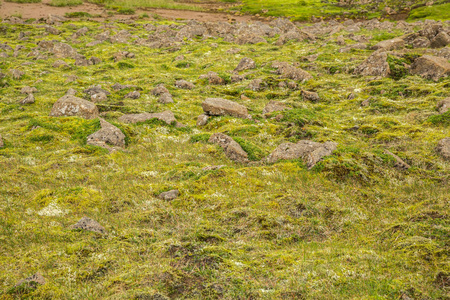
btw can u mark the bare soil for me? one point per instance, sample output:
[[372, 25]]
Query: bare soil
[[42, 10]]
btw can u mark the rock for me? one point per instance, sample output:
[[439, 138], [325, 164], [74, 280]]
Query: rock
[[445, 53], [375, 65], [99, 97], [28, 90], [310, 96], [202, 120], [71, 78], [231, 148], [256, 85], [365, 102], [399, 163], [421, 42], [443, 148], [28, 100], [170, 195], [358, 46], [443, 106], [236, 78], [166, 116], [290, 72], [442, 39], [431, 67], [340, 41], [94, 60], [89, 225], [133, 95], [59, 64], [160, 89], [275, 106], [16, 74], [311, 152], [52, 30], [388, 45], [2, 144], [245, 64], [165, 98], [73, 106], [123, 54], [109, 135], [212, 168], [222, 107], [183, 84], [32, 282], [214, 78]]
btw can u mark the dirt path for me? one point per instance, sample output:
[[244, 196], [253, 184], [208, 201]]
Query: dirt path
[[42, 10]]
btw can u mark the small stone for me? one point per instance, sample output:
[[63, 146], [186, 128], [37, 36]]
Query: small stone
[[33, 281], [443, 148], [71, 92], [399, 163], [245, 64], [71, 78], [170, 195], [214, 78], [431, 67], [202, 120], [28, 100], [160, 89], [231, 148], [109, 135], [89, 225], [28, 90], [444, 105], [375, 65], [99, 97], [256, 85], [222, 107], [212, 168], [183, 84]]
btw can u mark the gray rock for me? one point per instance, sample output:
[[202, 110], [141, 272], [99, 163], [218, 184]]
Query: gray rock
[[133, 95], [62, 50], [310, 96], [421, 42], [202, 120], [89, 225], [160, 89], [290, 72], [245, 64], [443, 148], [99, 97], [170, 195], [256, 85], [442, 39], [443, 106], [166, 116], [183, 84], [375, 65], [311, 152], [231, 148], [109, 135], [222, 107], [275, 106], [388, 45], [96, 89], [399, 163], [165, 98], [431, 67], [33, 281], [73, 106]]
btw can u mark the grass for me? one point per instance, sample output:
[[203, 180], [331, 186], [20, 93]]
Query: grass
[[352, 227], [60, 3], [435, 12]]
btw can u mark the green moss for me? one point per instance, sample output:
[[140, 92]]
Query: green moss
[[441, 120]]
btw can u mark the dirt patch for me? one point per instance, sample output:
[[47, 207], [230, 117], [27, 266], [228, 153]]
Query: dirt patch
[[42, 10]]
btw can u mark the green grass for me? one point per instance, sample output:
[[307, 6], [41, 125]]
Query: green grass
[[61, 3], [435, 12], [352, 227], [24, 1]]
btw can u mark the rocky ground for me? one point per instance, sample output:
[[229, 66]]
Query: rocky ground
[[206, 160]]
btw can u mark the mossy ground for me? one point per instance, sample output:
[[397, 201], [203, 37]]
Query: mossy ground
[[353, 227]]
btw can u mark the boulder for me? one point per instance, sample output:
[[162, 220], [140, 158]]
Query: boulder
[[375, 65], [399, 163], [166, 116], [311, 152], [159, 90], [442, 39], [73, 106], [89, 225], [109, 135], [443, 148], [170, 195], [431, 67], [275, 106], [28, 90], [421, 42], [222, 107], [389, 45], [290, 72], [62, 50], [231, 148], [443, 106], [245, 64], [29, 99]]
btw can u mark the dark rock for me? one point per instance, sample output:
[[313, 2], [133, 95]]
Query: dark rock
[[231, 148], [311, 152], [421, 42], [236, 78], [89, 225], [170, 195], [222, 107], [73, 106]]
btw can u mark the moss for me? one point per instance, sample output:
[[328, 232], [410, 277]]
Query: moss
[[254, 153], [440, 120]]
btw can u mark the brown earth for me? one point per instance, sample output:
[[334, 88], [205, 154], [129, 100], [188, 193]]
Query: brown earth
[[42, 10]]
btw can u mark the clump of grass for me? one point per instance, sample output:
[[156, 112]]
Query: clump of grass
[[78, 14], [61, 3], [24, 1]]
